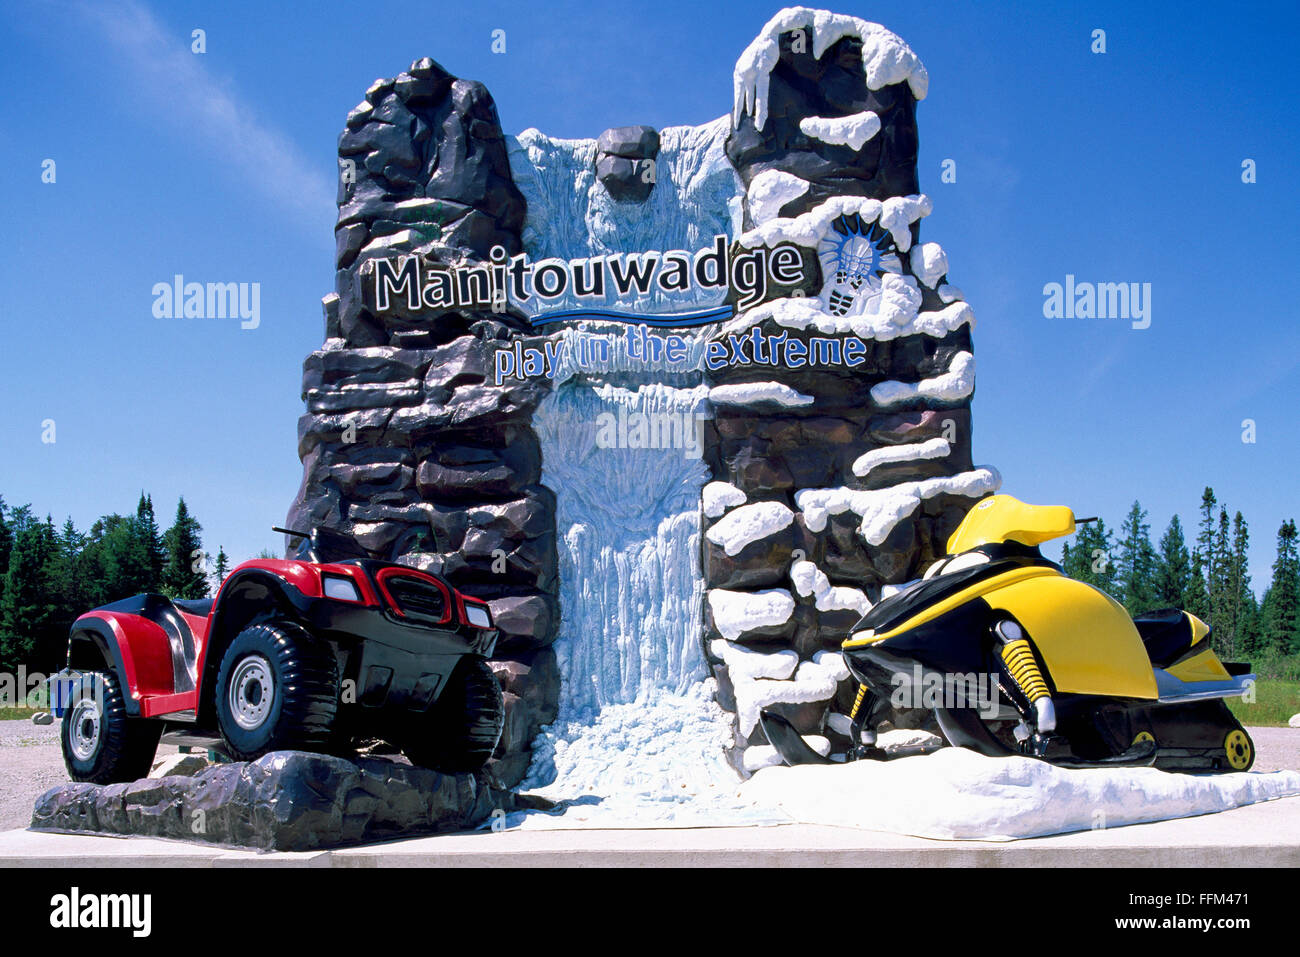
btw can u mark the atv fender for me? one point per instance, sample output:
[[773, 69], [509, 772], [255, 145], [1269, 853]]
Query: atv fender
[[99, 642], [249, 595]]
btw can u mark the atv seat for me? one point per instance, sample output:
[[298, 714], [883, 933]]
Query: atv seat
[[1167, 634], [199, 607]]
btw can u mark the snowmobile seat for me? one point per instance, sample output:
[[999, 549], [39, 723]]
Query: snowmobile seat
[[1167, 634]]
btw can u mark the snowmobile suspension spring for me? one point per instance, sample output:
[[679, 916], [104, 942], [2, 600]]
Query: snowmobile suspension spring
[[1023, 668], [857, 702]]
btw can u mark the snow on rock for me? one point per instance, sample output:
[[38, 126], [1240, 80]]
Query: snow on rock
[[882, 509], [814, 680], [896, 315], [808, 580], [900, 301], [852, 131], [940, 323], [720, 496], [755, 393], [746, 664], [765, 756], [929, 263], [897, 213], [770, 190], [949, 293], [886, 59], [935, 448], [748, 524], [954, 385], [956, 794], [736, 612]]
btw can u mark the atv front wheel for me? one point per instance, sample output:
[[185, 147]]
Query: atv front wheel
[[460, 731], [277, 690], [101, 744]]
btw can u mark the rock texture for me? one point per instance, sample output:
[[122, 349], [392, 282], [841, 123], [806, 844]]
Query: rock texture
[[625, 162], [404, 442], [284, 801]]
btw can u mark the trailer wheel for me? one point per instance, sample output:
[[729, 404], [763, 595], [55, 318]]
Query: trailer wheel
[[101, 743], [277, 689], [459, 733]]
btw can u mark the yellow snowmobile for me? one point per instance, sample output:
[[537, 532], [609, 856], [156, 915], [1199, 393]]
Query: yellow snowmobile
[[1014, 657]]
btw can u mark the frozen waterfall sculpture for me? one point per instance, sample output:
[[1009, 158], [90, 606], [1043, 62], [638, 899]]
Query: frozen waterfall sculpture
[[733, 331]]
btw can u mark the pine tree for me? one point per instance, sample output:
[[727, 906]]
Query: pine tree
[[123, 559], [1219, 578], [1172, 586], [6, 546], [1203, 557], [222, 568], [1243, 608], [183, 575], [28, 611], [1090, 559], [69, 580], [146, 527], [1281, 608], [1198, 600], [1135, 566]]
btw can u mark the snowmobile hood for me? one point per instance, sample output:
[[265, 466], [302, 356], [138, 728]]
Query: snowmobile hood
[[927, 599]]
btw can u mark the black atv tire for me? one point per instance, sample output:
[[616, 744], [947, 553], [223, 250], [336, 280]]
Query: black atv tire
[[296, 712], [458, 734], [101, 744]]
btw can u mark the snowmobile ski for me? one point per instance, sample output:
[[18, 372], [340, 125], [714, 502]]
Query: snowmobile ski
[[788, 742]]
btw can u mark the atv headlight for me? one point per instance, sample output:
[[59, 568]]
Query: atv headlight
[[340, 588], [477, 616]]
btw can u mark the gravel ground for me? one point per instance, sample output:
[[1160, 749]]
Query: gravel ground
[[30, 763]]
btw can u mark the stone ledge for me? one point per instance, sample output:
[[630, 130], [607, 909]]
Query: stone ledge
[[284, 801], [1260, 835]]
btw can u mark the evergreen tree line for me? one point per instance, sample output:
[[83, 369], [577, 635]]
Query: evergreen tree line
[[1207, 577], [49, 576]]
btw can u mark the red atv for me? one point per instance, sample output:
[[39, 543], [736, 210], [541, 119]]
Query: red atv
[[302, 654]]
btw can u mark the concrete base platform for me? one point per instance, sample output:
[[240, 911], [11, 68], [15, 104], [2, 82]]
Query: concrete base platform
[[1261, 835]]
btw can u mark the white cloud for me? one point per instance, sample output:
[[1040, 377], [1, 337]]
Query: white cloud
[[180, 89]]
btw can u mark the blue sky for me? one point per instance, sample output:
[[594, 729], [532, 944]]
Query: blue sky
[[1122, 166]]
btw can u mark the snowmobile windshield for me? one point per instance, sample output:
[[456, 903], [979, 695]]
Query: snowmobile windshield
[[1002, 518]]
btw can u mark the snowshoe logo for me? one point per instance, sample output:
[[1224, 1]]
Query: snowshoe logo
[[853, 258], [75, 910]]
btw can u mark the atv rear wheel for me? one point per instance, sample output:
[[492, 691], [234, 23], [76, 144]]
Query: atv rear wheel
[[460, 731], [277, 690], [100, 743]]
